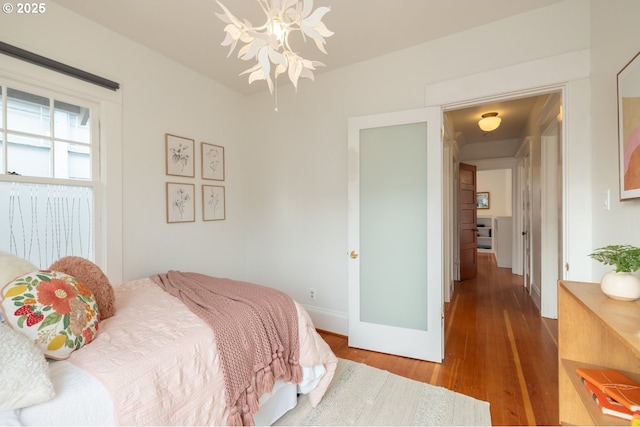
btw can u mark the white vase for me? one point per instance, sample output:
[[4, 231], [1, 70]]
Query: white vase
[[621, 286]]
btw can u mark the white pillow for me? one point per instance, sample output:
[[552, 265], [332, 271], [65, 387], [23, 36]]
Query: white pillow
[[12, 266], [24, 372]]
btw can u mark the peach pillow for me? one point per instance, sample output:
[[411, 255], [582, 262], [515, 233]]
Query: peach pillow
[[92, 276]]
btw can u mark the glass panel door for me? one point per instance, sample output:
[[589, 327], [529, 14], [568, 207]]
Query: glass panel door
[[395, 233], [393, 226]]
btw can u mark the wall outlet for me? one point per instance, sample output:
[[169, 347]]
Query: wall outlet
[[312, 293]]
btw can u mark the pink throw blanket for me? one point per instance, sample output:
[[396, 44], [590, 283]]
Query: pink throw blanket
[[256, 331]]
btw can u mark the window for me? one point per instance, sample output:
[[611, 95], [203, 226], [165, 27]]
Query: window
[[49, 174]]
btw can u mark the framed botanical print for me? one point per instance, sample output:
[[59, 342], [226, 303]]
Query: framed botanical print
[[212, 161], [181, 204], [213, 203], [180, 159]]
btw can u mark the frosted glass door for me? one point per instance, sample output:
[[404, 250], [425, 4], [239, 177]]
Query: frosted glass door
[[395, 234], [393, 225]]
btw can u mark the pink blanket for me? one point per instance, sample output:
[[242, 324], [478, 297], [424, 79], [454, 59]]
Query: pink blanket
[[158, 360], [256, 332]]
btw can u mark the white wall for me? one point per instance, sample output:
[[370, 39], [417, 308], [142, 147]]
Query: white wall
[[158, 96], [298, 185], [615, 36], [498, 183]]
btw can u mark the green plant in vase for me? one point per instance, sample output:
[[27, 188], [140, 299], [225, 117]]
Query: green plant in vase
[[620, 283]]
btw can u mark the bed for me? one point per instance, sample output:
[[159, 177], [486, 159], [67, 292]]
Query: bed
[[155, 362]]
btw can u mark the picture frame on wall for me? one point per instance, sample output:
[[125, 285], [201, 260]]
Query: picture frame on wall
[[628, 86], [213, 203], [181, 203], [482, 200], [180, 156], [212, 161]]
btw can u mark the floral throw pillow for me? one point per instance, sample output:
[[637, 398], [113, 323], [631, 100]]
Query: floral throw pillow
[[55, 310]]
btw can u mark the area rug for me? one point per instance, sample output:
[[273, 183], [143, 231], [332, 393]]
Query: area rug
[[360, 395]]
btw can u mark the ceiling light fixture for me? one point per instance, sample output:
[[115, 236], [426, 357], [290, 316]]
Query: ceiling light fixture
[[269, 44], [489, 122]]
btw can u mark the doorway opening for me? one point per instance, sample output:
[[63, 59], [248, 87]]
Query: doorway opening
[[519, 170]]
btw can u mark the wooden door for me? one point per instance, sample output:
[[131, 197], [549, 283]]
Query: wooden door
[[468, 222]]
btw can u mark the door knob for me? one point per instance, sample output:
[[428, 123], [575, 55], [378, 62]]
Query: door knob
[[353, 254]]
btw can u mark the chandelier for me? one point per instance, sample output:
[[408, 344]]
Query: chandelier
[[268, 43]]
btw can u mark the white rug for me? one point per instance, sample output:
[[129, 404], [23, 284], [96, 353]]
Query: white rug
[[362, 395]]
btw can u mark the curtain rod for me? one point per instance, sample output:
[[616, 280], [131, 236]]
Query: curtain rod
[[42, 61]]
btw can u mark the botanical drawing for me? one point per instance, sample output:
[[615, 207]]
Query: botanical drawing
[[180, 202], [212, 162], [213, 202], [180, 156]]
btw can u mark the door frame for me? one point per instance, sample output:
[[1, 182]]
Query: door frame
[[568, 73], [451, 262], [550, 123], [523, 212]]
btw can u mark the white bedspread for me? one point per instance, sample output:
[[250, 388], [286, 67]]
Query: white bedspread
[[158, 360], [77, 393]]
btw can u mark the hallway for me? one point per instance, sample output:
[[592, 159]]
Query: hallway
[[497, 348]]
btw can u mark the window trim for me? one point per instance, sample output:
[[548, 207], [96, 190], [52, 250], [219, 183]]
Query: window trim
[[95, 182], [109, 253], [53, 95]]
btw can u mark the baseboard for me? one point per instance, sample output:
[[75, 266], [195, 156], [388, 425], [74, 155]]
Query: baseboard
[[536, 295], [328, 320]]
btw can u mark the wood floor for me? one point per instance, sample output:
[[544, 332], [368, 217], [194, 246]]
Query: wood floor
[[497, 348]]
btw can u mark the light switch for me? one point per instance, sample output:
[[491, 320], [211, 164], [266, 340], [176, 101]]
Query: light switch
[[606, 203]]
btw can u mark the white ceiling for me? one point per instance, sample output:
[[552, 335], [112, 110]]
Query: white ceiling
[[189, 32]]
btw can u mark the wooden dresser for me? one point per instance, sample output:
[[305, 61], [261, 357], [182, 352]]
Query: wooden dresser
[[593, 331]]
